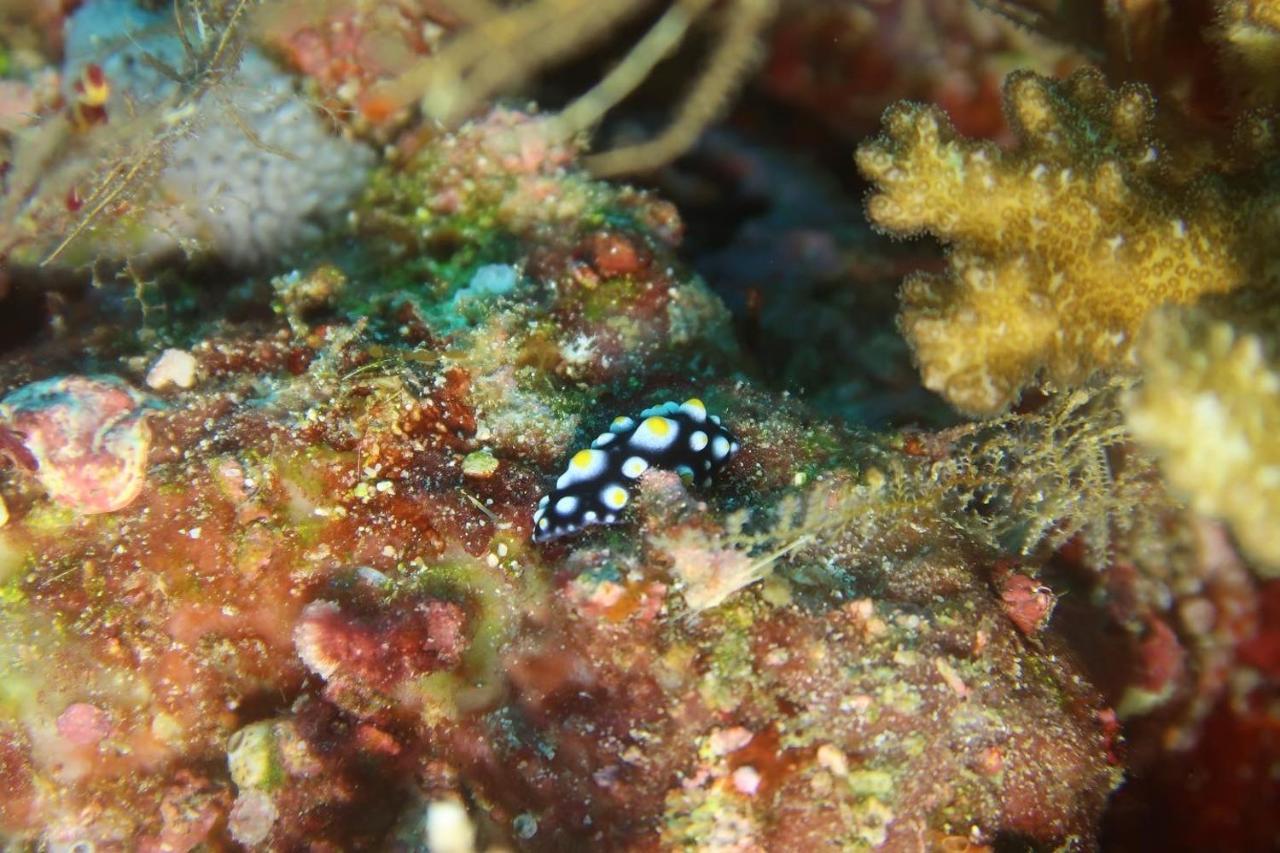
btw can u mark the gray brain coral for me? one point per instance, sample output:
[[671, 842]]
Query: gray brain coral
[[260, 174]]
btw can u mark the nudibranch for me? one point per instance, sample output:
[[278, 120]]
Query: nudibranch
[[596, 486]]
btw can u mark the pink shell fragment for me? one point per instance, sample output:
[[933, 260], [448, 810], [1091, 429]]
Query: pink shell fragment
[[83, 724], [88, 437]]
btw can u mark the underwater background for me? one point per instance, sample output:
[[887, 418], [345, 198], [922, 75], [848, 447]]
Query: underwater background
[[717, 425]]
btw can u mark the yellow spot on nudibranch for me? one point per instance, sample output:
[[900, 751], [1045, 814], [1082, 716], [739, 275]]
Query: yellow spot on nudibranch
[[614, 497], [658, 426], [655, 434], [584, 465], [694, 408]]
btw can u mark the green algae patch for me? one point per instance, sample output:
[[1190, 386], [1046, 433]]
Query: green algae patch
[[731, 665], [480, 464], [497, 599], [253, 757], [14, 556], [870, 783], [48, 519]]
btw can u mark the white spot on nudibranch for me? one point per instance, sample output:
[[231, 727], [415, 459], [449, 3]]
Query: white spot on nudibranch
[[566, 505], [585, 465], [634, 467], [621, 424], [655, 433], [604, 438], [720, 447], [694, 408], [614, 497], [698, 440]]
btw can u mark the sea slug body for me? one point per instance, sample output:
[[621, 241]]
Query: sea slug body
[[596, 486]]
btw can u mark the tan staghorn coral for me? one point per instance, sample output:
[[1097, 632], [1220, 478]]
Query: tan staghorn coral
[[1209, 407], [1061, 246], [1249, 31]]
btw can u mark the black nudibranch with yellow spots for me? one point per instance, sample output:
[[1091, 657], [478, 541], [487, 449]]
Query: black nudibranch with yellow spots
[[678, 437]]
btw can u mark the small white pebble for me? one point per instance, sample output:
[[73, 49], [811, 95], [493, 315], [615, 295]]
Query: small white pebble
[[173, 367], [449, 828], [746, 780], [833, 760], [725, 741]]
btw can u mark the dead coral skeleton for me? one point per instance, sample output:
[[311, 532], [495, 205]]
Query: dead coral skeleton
[[499, 48]]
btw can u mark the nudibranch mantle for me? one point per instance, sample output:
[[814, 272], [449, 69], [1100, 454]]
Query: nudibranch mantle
[[596, 486]]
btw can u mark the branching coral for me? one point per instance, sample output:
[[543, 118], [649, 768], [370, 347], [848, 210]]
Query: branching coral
[[498, 49], [1210, 408], [1250, 34], [1127, 31], [1061, 247]]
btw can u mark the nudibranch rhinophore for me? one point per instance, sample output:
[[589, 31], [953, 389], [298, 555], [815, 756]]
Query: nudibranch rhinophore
[[679, 437]]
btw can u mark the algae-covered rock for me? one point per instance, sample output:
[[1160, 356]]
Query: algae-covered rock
[[314, 614]]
